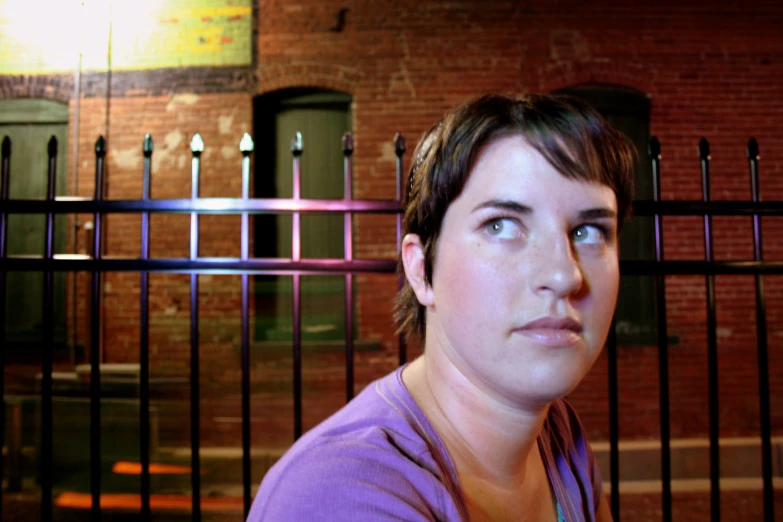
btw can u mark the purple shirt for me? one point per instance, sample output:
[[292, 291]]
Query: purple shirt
[[379, 459]]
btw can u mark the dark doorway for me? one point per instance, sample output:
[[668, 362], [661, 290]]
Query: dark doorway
[[628, 111]]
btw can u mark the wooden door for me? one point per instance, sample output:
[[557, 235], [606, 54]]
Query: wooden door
[[30, 124], [322, 117]]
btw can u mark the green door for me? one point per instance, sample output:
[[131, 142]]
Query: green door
[[30, 124], [322, 118]]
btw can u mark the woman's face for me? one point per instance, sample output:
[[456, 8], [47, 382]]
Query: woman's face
[[525, 276]]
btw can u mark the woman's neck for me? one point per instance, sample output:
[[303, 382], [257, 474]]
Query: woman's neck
[[489, 441]]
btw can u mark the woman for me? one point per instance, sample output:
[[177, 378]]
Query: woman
[[511, 265]]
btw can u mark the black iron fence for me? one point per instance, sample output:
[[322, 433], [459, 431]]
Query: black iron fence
[[297, 267]]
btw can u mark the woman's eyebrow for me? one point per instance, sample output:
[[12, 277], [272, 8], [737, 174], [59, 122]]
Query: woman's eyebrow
[[505, 204], [598, 213]]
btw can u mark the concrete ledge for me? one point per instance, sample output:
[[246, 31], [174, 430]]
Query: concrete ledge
[[740, 458], [692, 485]]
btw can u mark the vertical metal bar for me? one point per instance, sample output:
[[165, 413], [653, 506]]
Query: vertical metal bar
[[48, 345], [246, 147], [399, 151], [761, 340], [296, 255], [197, 147], [144, 334], [296, 151], [663, 340], [5, 186], [712, 340], [95, 342], [77, 97], [614, 423], [347, 143]]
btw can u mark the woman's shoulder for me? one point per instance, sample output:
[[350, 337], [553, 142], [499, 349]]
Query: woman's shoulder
[[370, 459]]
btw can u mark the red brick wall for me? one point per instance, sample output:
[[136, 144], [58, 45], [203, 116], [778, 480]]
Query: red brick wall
[[710, 70]]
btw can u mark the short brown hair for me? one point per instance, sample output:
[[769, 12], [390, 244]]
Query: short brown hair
[[566, 131]]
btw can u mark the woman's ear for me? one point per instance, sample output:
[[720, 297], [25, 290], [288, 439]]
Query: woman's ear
[[413, 262]]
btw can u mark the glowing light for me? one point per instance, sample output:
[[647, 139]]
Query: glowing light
[[74, 500], [134, 468]]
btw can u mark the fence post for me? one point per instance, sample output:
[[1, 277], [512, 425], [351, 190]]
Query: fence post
[[96, 342], [5, 167], [196, 147], [761, 340], [712, 339], [296, 252], [654, 151], [347, 144], [399, 151], [48, 343], [144, 335], [246, 147]]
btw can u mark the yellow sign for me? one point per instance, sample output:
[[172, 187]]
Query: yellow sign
[[40, 36]]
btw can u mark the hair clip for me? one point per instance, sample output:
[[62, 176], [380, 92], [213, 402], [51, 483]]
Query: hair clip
[[423, 151]]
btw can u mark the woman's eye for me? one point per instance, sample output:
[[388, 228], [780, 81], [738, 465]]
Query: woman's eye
[[589, 234], [503, 228]]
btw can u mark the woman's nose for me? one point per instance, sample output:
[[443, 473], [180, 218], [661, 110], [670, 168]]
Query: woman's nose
[[556, 268]]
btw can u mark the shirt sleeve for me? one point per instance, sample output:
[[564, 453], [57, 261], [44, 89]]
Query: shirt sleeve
[[350, 480]]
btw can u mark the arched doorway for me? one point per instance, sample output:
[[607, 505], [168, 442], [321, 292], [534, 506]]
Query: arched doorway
[[30, 123], [322, 116]]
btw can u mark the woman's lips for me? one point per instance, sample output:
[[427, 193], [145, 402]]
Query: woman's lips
[[553, 331]]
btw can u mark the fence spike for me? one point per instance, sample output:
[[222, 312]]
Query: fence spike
[[704, 149], [100, 146], [654, 148], [6, 147], [147, 146], [753, 149], [399, 144], [52, 147], [197, 144], [296, 144], [347, 143], [246, 144]]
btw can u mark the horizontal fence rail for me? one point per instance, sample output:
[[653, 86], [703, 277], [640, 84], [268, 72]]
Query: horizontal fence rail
[[245, 265]]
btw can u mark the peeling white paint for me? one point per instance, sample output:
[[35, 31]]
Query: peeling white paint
[[165, 157], [159, 158], [401, 81], [181, 99], [387, 152], [127, 158], [173, 139], [225, 123], [229, 152]]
